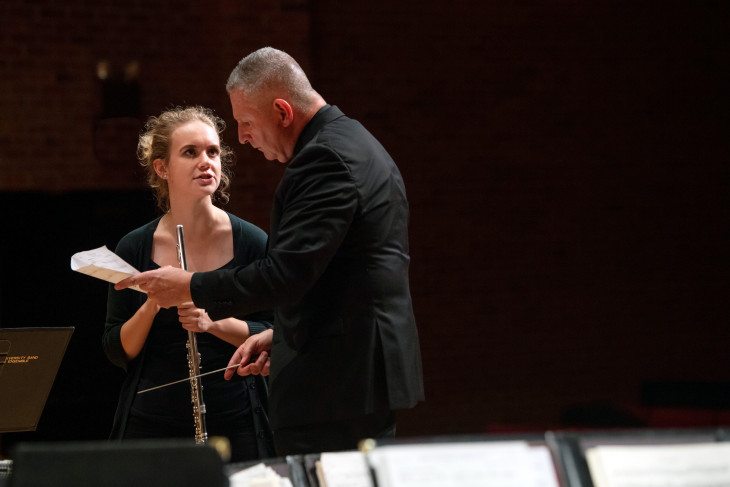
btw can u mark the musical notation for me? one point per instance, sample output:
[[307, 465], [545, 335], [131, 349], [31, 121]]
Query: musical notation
[[103, 264]]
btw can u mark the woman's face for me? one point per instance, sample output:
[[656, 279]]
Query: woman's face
[[194, 166]]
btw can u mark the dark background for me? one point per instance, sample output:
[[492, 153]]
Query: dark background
[[566, 164]]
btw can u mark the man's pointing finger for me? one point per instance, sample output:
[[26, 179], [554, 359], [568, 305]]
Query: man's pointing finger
[[125, 283]]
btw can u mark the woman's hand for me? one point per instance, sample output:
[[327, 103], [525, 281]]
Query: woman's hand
[[194, 319]]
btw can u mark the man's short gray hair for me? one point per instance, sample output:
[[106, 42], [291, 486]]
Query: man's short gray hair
[[271, 69]]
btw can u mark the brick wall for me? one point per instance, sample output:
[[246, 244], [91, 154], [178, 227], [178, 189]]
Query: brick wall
[[568, 179], [66, 127], [566, 164]]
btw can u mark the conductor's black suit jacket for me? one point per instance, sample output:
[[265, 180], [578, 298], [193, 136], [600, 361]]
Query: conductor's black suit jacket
[[336, 273]]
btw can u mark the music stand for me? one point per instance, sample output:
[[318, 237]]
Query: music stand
[[137, 463], [29, 362]]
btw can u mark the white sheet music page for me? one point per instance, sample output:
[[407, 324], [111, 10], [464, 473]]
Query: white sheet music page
[[688, 465], [103, 264], [468, 464], [258, 475], [345, 469], [543, 467]]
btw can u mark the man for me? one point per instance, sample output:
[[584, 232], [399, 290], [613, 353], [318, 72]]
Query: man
[[344, 352]]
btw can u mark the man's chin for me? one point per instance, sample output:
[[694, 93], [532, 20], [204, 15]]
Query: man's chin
[[276, 159]]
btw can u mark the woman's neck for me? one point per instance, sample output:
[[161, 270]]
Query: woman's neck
[[197, 219]]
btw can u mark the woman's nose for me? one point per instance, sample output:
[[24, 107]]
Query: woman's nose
[[204, 160]]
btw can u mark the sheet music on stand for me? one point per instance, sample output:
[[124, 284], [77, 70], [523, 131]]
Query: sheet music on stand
[[258, 475], [343, 469], [477, 464], [571, 448], [673, 465], [270, 472]]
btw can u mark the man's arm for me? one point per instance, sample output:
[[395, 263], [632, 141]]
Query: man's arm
[[315, 205]]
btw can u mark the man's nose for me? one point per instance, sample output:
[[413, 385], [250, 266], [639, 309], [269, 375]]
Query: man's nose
[[243, 137]]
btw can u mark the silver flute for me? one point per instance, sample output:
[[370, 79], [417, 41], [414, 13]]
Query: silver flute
[[196, 388]]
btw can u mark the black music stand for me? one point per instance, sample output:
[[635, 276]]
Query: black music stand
[[136, 463], [29, 362]]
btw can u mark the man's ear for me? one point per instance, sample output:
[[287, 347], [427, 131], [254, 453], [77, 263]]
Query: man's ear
[[284, 112]]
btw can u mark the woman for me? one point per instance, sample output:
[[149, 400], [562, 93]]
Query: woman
[[188, 168]]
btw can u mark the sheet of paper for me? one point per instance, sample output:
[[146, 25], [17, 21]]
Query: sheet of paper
[[103, 264], [543, 467], [258, 475], [688, 465], [468, 464], [344, 469]]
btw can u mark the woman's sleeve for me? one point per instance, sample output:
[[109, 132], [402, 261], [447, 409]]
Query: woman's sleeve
[[120, 307], [254, 248]]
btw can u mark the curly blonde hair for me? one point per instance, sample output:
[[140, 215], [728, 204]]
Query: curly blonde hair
[[154, 143]]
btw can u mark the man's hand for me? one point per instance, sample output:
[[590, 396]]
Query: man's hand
[[167, 286], [259, 344]]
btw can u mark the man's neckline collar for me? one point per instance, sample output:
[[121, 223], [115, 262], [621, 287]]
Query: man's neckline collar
[[324, 115]]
